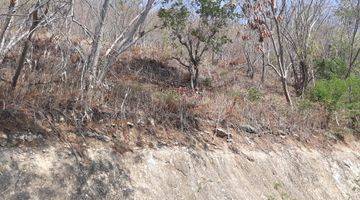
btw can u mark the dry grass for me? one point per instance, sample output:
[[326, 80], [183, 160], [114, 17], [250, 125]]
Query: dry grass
[[152, 93]]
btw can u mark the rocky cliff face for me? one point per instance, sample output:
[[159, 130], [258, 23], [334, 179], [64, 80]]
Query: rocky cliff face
[[286, 172]]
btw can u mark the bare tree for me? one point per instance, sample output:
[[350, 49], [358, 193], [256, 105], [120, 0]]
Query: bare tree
[[38, 17], [252, 54], [267, 17], [349, 13], [96, 67], [288, 27], [301, 20], [93, 58], [35, 22], [130, 35], [15, 28], [5, 31]]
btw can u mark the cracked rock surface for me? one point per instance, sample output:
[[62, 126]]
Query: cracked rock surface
[[54, 172]]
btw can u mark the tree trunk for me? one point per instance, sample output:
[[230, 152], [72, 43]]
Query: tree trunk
[[192, 76], [301, 76], [263, 74], [251, 69], [94, 56], [305, 76], [21, 63], [263, 68], [251, 72], [196, 77], [6, 27], [286, 91], [128, 39], [35, 23], [354, 53]]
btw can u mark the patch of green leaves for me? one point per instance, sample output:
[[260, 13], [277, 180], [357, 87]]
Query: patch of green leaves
[[337, 93], [208, 82], [202, 19], [254, 94], [330, 68]]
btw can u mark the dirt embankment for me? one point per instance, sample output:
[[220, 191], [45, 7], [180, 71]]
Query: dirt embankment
[[286, 172], [37, 163]]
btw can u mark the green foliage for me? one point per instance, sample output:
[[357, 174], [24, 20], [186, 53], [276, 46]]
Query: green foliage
[[197, 27], [337, 94], [329, 92], [329, 68], [208, 82], [254, 94], [203, 20], [175, 17]]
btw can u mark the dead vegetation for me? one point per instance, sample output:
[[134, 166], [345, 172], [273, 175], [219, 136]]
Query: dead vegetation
[[145, 97], [148, 98]]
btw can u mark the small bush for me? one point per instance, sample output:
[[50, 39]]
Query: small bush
[[208, 82], [329, 92], [254, 94], [338, 94], [353, 104], [329, 68]]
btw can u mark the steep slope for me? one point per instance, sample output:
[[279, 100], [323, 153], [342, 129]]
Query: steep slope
[[287, 171]]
